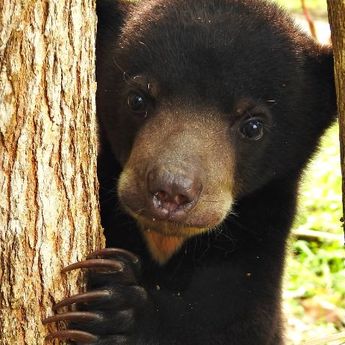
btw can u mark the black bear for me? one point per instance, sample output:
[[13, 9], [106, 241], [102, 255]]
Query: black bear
[[209, 110]]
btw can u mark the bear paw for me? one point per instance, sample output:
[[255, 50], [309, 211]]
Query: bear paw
[[111, 310]]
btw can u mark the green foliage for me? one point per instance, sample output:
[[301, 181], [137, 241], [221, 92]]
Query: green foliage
[[316, 7], [320, 196], [315, 276], [317, 270]]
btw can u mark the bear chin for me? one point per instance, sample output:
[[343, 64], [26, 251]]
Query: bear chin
[[165, 238]]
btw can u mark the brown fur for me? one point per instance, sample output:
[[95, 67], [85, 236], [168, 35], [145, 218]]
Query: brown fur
[[177, 147]]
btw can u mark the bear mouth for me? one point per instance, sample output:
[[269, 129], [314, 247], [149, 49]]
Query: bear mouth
[[195, 222], [168, 226], [165, 238]]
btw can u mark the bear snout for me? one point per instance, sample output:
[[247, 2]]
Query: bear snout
[[172, 194]]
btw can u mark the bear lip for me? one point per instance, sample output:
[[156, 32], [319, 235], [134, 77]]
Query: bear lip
[[168, 227], [176, 226]]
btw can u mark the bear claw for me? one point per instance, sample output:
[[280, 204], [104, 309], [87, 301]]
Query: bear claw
[[74, 335], [110, 268], [82, 298], [73, 316], [95, 263], [111, 252]]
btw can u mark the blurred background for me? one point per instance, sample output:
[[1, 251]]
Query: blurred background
[[314, 287]]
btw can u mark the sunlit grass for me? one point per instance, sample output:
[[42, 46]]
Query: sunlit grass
[[320, 195], [314, 285]]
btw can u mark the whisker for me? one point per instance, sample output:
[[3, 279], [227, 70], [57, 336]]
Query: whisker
[[118, 66]]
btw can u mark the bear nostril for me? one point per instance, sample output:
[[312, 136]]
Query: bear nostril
[[166, 199], [181, 199], [172, 192], [162, 196]]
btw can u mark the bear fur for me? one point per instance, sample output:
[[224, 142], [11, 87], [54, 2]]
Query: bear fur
[[209, 110]]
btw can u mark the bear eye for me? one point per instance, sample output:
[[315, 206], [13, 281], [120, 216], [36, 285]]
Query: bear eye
[[137, 103], [253, 129]]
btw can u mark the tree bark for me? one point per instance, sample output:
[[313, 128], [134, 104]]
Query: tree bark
[[336, 11], [48, 186]]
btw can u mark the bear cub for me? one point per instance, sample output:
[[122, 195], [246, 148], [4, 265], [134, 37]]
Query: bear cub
[[208, 110]]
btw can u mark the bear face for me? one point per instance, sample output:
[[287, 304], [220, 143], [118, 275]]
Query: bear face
[[203, 103]]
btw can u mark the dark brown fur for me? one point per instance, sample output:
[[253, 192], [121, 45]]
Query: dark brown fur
[[235, 99]]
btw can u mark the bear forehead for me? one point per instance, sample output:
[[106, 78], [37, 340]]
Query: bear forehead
[[208, 23], [223, 44]]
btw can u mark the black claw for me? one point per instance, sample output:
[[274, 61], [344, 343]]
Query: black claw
[[95, 263], [73, 316], [82, 298], [74, 335], [110, 252]]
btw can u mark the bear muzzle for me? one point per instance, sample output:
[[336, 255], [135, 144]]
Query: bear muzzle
[[172, 194]]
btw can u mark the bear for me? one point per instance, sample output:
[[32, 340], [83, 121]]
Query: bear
[[209, 110]]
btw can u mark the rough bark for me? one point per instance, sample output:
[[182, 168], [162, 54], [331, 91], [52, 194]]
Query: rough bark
[[48, 186], [336, 10]]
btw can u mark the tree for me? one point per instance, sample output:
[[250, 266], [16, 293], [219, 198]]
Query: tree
[[48, 186], [336, 10]]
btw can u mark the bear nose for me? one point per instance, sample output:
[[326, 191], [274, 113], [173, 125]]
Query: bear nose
[[172, 194]]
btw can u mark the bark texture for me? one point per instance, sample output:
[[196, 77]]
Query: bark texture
[[336, 10], [48, 186]]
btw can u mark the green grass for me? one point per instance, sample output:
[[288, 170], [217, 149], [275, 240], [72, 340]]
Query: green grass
[[315, 275], [320, 195]]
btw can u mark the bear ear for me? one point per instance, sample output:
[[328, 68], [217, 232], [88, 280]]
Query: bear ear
[[111, 15], [320, 68]]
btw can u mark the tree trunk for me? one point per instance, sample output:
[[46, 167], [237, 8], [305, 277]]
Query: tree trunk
[[336, 11], [48, 186]]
